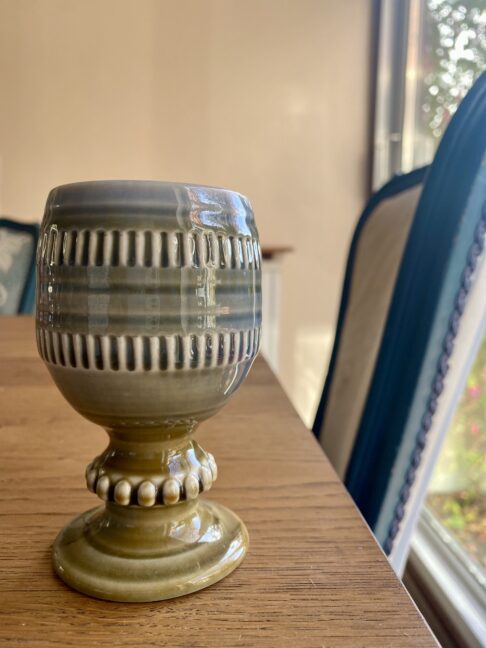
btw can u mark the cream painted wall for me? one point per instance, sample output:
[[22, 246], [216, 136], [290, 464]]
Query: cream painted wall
[[268, 97]]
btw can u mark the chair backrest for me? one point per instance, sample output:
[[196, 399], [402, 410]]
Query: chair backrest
[[409, 272], [373, 262], [18, 242]]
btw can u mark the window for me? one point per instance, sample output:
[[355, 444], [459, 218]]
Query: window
[[446, 571], [431, 52], [457, 492]]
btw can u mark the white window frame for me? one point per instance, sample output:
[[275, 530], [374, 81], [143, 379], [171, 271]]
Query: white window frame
[[440, 576]]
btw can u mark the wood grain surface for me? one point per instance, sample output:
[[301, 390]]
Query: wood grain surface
[[314, 575]]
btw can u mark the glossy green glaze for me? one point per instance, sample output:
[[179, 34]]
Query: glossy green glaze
[[133, 555], [148, 318]]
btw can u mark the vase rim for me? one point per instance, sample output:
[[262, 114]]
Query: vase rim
[[140, 183], [150, 197], [138, 193]]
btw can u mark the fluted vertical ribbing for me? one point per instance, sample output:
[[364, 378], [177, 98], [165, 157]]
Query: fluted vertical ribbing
[[147, 248]]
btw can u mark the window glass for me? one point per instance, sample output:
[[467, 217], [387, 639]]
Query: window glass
[[457, 492], [446, 54]]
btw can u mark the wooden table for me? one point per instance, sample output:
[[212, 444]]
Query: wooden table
[[314, 575]]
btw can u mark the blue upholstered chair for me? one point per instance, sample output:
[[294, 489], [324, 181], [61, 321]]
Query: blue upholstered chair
[[18, 242], [414, 263]]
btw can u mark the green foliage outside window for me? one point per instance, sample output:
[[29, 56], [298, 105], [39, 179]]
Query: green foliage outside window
[[454, 56], [458, 491]]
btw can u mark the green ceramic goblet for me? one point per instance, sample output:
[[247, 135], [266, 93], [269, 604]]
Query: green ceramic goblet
[[148, 319]]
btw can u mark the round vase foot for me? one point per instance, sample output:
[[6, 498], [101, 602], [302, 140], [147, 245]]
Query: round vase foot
[[129, 554]]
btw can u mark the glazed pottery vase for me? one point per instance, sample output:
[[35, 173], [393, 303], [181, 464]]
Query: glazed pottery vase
[[148, 319]]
